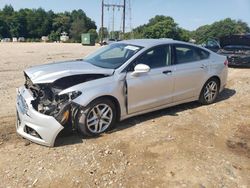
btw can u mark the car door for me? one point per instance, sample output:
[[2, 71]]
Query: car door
[[152, 89], [191, 66]]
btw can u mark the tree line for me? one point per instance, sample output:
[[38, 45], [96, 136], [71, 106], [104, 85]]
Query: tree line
[[35, 23], [165, 27], [161, 27], [219, 29]]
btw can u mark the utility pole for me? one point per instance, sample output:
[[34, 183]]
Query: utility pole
[[102, 22], [124, 16], [113, 6], [113, 24]]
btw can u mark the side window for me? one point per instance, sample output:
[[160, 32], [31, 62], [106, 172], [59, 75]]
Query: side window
[[186, 54], [156, 57], [202, 53]]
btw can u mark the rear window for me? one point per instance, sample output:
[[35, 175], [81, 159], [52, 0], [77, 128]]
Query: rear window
[[185, 54]]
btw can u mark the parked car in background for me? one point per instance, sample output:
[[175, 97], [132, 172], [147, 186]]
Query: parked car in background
[[21, 39], [212, 44], [120, 80], [109, 41], [6, 40], [235, 47]]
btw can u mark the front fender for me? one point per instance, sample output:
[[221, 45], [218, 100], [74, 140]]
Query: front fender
[[98, 88]]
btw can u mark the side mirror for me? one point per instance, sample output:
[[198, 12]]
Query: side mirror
[[140, 69]]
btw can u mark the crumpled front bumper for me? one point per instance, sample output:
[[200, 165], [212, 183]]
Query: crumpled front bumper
[[31, 124]]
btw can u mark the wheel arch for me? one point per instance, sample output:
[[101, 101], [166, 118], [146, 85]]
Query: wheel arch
[[114, 100], [217, 78], [210, 78]]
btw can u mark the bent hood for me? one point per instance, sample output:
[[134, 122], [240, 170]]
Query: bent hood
[[51, 72]]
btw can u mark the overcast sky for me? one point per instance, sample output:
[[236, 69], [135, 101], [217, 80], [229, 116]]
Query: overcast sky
[[189, 14]]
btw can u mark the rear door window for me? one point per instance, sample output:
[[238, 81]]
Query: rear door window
[[187, 54]]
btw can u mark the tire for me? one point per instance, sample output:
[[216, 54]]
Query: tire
[[97, 118], [209, 91]]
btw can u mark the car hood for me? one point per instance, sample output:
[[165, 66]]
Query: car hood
[[242, 40], [49, 73]]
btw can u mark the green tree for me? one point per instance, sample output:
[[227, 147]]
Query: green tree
[[115, 34], [161, 27], [77, 28], [105, 32], [94, 33], [184, 34], [8, 10], [4, 30], [80, 24], [219, 29], [35, 23], [54, 36], [61, 23]]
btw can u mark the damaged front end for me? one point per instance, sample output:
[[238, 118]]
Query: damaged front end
[[47, 111], [48, 101]]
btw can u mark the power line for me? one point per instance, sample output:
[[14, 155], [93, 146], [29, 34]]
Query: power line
[[113, 6]]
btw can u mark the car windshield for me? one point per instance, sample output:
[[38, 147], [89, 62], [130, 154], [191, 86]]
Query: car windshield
[[113, 55], [237, 47]]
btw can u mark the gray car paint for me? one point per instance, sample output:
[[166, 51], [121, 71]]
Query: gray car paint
[[181, 87], [51, 72]]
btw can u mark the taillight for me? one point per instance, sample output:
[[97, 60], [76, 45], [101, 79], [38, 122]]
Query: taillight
[[226, 62]]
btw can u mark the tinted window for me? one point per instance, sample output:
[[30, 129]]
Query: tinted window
[[186, 53], [156, 57]]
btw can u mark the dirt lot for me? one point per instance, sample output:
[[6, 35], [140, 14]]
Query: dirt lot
[[184, 146]]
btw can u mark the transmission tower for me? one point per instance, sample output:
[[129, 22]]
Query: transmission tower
[[113, 6], [129, 26]]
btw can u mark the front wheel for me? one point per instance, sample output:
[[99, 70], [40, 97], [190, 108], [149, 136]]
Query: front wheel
[[99, 116], [209, 91]]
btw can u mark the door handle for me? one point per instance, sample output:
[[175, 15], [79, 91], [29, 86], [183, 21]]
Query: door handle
[[203, 66], [167, 72]]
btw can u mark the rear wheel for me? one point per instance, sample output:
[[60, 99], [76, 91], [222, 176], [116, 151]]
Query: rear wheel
[[99, 117], [209, 91]]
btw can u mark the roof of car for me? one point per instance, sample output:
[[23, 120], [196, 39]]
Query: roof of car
[[150, 42]]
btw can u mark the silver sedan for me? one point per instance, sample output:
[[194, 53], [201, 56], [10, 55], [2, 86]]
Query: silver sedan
[[118, 81]]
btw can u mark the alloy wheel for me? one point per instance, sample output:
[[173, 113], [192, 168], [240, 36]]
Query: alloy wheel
[[99, 118], [211, 90]]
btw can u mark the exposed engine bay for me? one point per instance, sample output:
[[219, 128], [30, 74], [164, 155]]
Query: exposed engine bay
[[48, 101]]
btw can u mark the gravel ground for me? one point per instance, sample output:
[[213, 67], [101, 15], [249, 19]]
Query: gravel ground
[[184, 146]]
